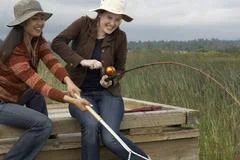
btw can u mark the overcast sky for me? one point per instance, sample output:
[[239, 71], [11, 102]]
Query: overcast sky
[[153, 19]]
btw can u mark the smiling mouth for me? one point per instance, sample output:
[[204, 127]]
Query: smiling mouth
[[38, 29], [110, 28]]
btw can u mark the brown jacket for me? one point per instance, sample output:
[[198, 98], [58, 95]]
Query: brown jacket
[[83, 34]]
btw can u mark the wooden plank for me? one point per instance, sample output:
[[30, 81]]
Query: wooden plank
[[163, 136], [71, 141], [67, 124], [193, 113], [180, 149], [57, 106], [156, 130], [153, 119], [145, 130], [136, 101], [128, 105]]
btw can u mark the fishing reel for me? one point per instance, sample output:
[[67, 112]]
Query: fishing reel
[[111, 72]]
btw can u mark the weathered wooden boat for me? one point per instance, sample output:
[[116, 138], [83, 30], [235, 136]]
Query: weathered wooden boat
[[163, 131]]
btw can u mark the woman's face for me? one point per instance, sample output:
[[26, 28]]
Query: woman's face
[[33, 26], [109, 22]]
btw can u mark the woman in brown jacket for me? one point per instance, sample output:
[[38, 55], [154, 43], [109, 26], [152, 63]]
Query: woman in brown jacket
[[20, 54], [96, 44]]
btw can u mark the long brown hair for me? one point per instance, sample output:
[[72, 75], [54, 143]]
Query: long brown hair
[[14, 38]]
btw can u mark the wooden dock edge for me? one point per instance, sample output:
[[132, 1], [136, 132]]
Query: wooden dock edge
[[160, 144], [164, 134]]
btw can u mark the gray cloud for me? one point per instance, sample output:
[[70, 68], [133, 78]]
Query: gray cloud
[[153, 19], [181, 33]]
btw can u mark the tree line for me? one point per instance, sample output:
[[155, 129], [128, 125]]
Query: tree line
[[198, 45]]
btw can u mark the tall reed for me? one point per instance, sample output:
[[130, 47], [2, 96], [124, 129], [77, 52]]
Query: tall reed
[[170, 84]]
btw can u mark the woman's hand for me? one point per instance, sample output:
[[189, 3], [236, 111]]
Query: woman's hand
[[71, 87], [81, 103], [78, 102], [104, 83], [91, 63]]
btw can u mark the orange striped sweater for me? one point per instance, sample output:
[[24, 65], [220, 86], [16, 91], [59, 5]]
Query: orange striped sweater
[[21, 74]]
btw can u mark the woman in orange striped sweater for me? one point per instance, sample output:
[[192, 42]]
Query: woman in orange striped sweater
[[20, 54]]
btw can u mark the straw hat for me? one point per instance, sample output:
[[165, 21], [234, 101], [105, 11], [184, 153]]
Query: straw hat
[[25, 9], [114, 6]]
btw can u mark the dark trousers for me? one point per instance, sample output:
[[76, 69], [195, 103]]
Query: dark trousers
[[37, 125]]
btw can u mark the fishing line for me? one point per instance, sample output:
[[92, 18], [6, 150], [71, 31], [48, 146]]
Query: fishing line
[[115, 75]]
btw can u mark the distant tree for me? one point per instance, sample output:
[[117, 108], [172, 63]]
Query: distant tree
[[1, 42], [197, 45]]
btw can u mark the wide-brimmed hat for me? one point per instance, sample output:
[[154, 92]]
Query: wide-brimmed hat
[[114, 6], [25, 9]]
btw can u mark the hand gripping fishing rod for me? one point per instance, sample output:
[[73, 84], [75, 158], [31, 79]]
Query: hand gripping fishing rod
[[123, 144], [111, 72]]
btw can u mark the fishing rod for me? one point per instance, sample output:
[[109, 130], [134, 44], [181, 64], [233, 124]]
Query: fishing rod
[[114, 134], [111, 72]]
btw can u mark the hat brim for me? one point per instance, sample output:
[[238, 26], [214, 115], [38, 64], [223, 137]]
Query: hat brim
[[26, 16], [125, 17]]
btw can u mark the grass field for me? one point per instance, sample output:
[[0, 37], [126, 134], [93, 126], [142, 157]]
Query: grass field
[[170, 84]]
